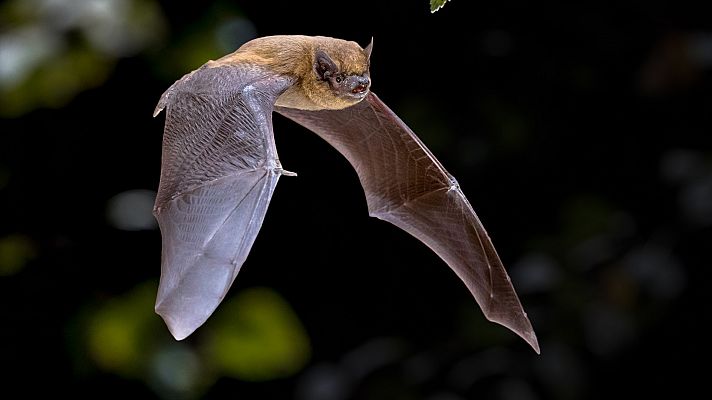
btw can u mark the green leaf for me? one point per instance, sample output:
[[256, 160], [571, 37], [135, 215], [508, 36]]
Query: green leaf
[[435, 5]]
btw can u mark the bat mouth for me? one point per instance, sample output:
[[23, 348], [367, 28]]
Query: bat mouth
[[357, 86], [360, 88], [358, 94]]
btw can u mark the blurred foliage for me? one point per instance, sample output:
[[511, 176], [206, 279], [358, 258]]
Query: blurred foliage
[[54, 49], [54, 83], [220, 30], [16, 251], [119, 333], [256, 337], [584, 217]]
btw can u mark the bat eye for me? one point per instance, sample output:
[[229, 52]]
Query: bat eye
[[339, 79]]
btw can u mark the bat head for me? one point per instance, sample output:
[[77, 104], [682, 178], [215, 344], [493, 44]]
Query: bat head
[[340, 73]]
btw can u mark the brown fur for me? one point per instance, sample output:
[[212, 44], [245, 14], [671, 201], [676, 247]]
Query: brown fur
[[294, 56]]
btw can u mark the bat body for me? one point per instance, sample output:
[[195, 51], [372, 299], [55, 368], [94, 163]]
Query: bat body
[[220, 168]]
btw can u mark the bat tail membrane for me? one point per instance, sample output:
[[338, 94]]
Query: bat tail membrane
[[207, 234]]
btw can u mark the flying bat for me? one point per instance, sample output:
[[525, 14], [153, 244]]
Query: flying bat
[[220, 167]]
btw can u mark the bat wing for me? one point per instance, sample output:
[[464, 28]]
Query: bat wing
[[407, 186], [219, 170]]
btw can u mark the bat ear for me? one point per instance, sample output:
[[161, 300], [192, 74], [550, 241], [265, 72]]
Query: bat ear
[[368, 49], [323, 65]]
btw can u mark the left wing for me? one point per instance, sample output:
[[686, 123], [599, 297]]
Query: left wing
[[219, 170]]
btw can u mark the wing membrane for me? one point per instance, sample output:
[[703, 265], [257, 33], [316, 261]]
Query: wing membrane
[[219, 171], [407, 186]]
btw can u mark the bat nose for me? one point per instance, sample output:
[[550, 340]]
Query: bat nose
[[361, 85]]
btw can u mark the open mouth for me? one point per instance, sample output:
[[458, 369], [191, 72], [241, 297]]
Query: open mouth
[[359, 92], [359, 89]]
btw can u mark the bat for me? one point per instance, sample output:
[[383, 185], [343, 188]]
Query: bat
[[220, 167]]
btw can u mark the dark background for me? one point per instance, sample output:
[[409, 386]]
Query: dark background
[[580, 134]]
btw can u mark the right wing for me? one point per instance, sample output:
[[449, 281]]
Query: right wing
[[407, 186], [219, 170]]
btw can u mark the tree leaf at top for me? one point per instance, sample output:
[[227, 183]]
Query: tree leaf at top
[[435, 5]]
